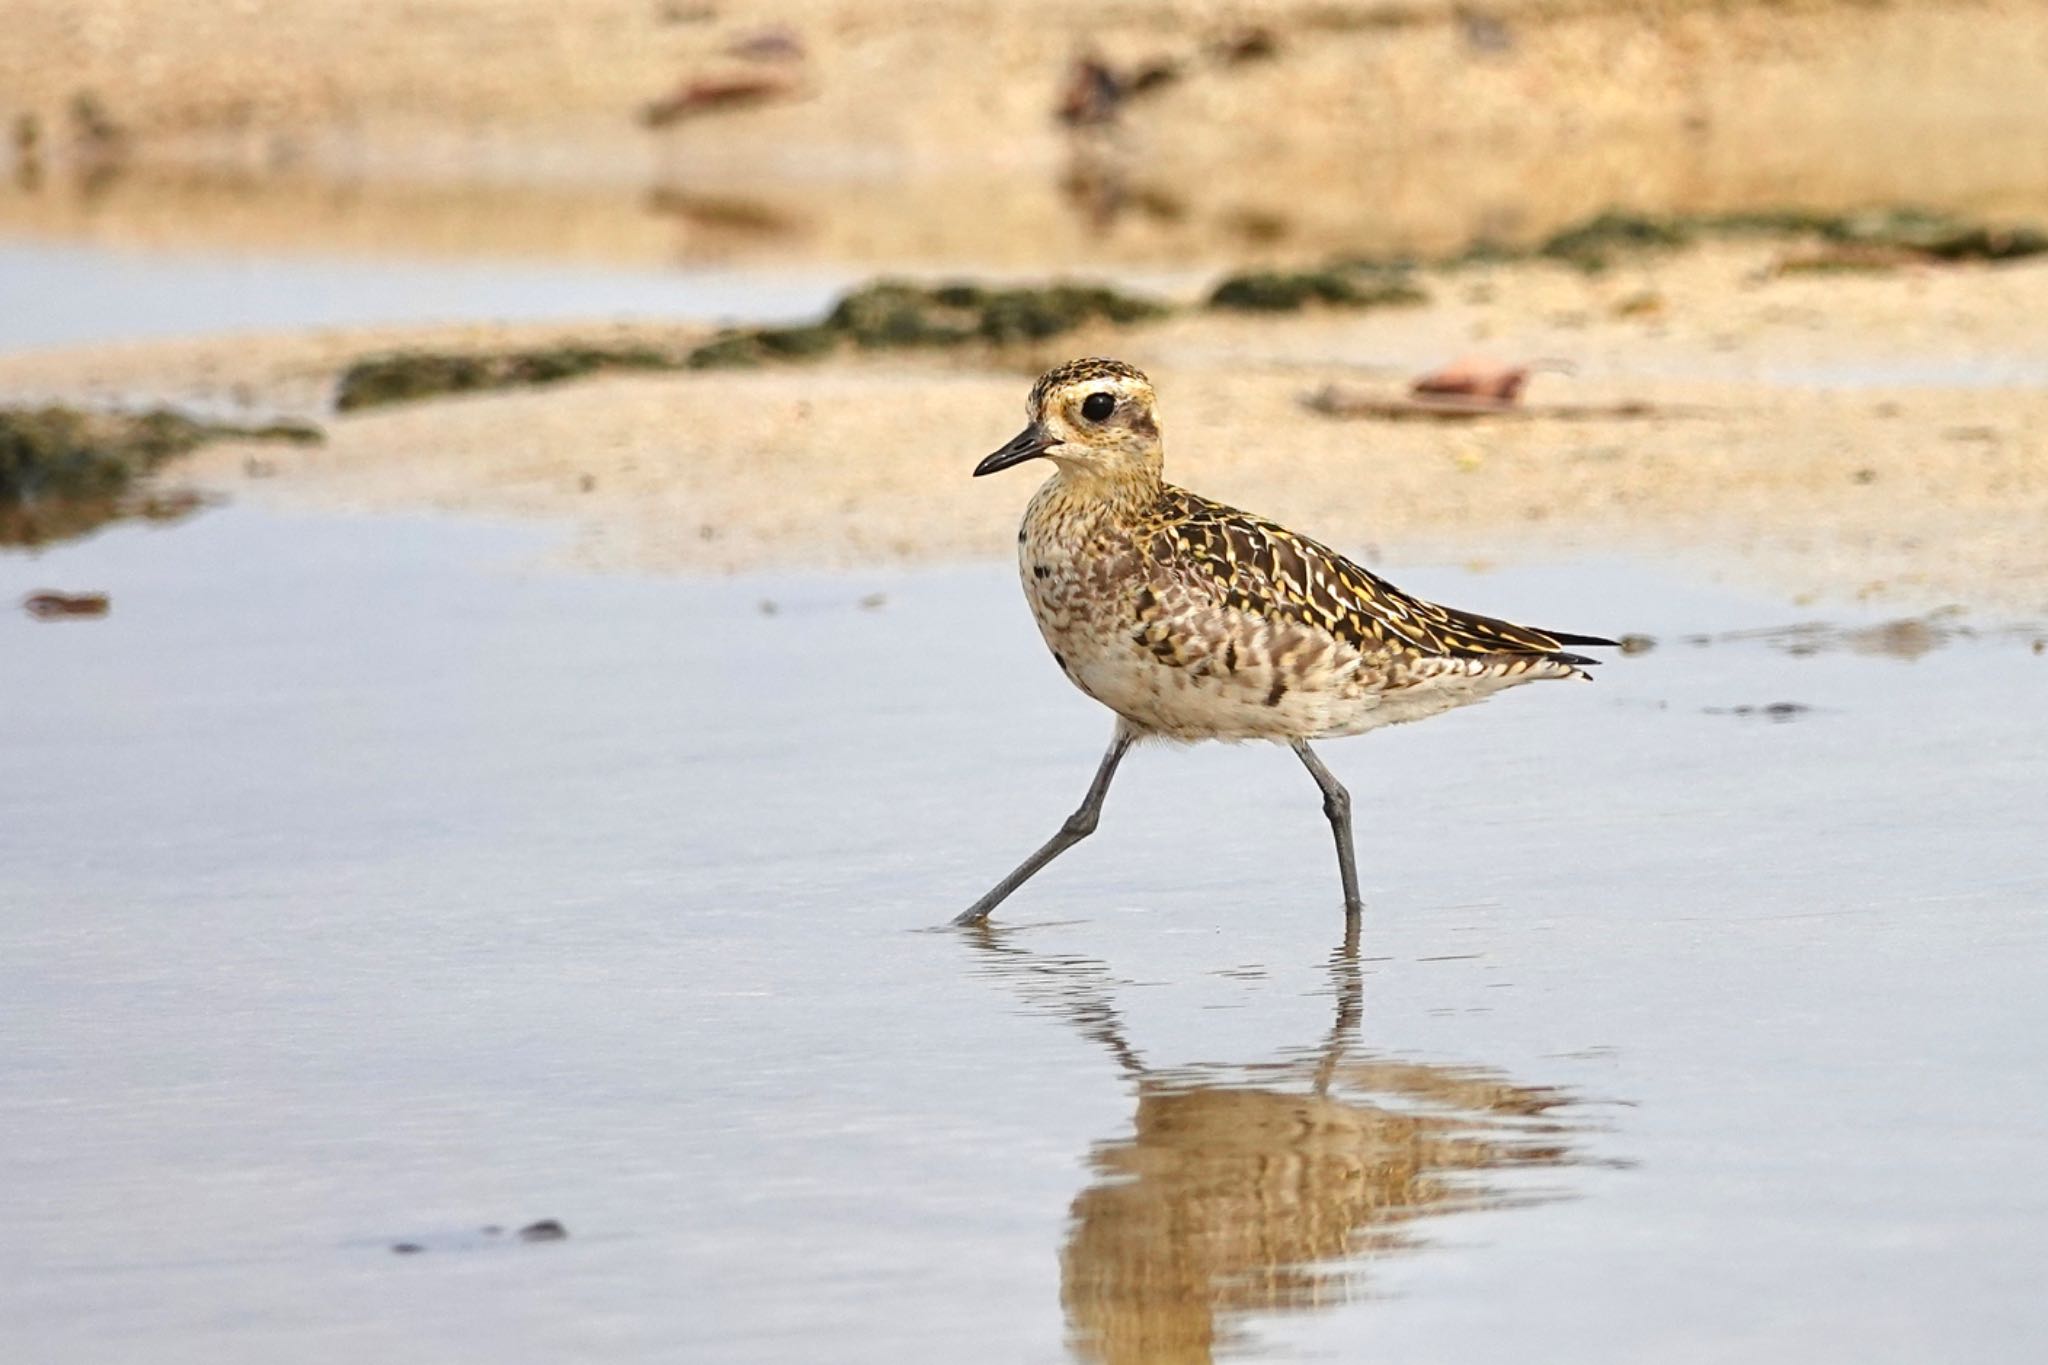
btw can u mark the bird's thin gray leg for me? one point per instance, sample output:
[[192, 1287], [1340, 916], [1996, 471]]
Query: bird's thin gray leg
[[1078, 826], [1336, 805]]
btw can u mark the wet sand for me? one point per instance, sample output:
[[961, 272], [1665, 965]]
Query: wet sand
[[369, 884]]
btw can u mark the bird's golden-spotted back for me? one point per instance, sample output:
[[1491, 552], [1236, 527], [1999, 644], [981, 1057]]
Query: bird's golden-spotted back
[[1258, 566]]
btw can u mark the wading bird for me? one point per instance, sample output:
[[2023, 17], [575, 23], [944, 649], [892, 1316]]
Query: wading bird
[[1192, 620]]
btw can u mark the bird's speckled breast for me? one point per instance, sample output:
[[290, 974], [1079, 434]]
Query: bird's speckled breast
[[1131, 634], [1079, 574]]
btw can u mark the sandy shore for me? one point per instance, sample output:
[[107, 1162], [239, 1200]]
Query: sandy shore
[[1871, 436]]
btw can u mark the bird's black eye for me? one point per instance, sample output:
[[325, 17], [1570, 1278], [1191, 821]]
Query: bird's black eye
[[1097, 406]]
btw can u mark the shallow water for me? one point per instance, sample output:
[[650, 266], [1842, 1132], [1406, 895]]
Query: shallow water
[[62, 294], [362, 883]]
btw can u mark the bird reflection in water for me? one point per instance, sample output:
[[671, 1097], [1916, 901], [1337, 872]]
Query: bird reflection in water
[[1268, 1188]]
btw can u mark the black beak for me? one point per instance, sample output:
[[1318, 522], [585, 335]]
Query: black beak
[[1027, 444]]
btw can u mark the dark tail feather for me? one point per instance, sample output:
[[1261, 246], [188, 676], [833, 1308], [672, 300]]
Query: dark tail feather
[[1565, 639], [1576, 660]]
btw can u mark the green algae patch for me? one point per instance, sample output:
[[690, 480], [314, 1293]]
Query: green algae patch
[[1343, 285], [64, 471], [797, 343], [898, 315], [1866, 238], [1845, 258], [1011, 315], [408, 376], [1596, 243], [1935, 236], [1593, 244], [56, 452], [885, 315]]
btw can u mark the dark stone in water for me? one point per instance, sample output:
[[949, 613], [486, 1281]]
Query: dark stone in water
[[546, 1230], [1774, 711]]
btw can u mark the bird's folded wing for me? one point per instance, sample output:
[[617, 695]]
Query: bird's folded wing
[[1254, 565]]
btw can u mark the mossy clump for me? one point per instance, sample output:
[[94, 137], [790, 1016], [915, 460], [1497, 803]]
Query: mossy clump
[[407, 376], [1483, 251], [1760, 223], [885, 315], [289, 430], [1845, 258], [59, 452], [64, 471], [1935, 236], [728, 351], [797, 343], [1593, 244], [891, 313], [1008, 315], [898, 315], [760, 345], [403, 376], [1912, 233], [1343, 285]]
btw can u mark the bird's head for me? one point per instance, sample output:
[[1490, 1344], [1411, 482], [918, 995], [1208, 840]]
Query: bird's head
[[1093, 418]]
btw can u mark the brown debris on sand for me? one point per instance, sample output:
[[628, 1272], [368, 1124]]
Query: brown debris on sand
[[1478, 381], [58, 606], [1095, 92], [717, 95], [773, 43], [1335, 401]]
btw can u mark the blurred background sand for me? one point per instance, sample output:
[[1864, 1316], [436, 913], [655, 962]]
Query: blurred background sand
[[897, 133]]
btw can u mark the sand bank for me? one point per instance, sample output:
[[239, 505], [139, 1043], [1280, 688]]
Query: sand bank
[[1876, 435]]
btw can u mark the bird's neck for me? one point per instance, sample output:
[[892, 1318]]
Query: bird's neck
[[1104, 490]]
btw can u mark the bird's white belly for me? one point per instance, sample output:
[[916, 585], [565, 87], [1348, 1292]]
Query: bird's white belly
[[1208, 697], [1171, 701], [1181, 704]]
